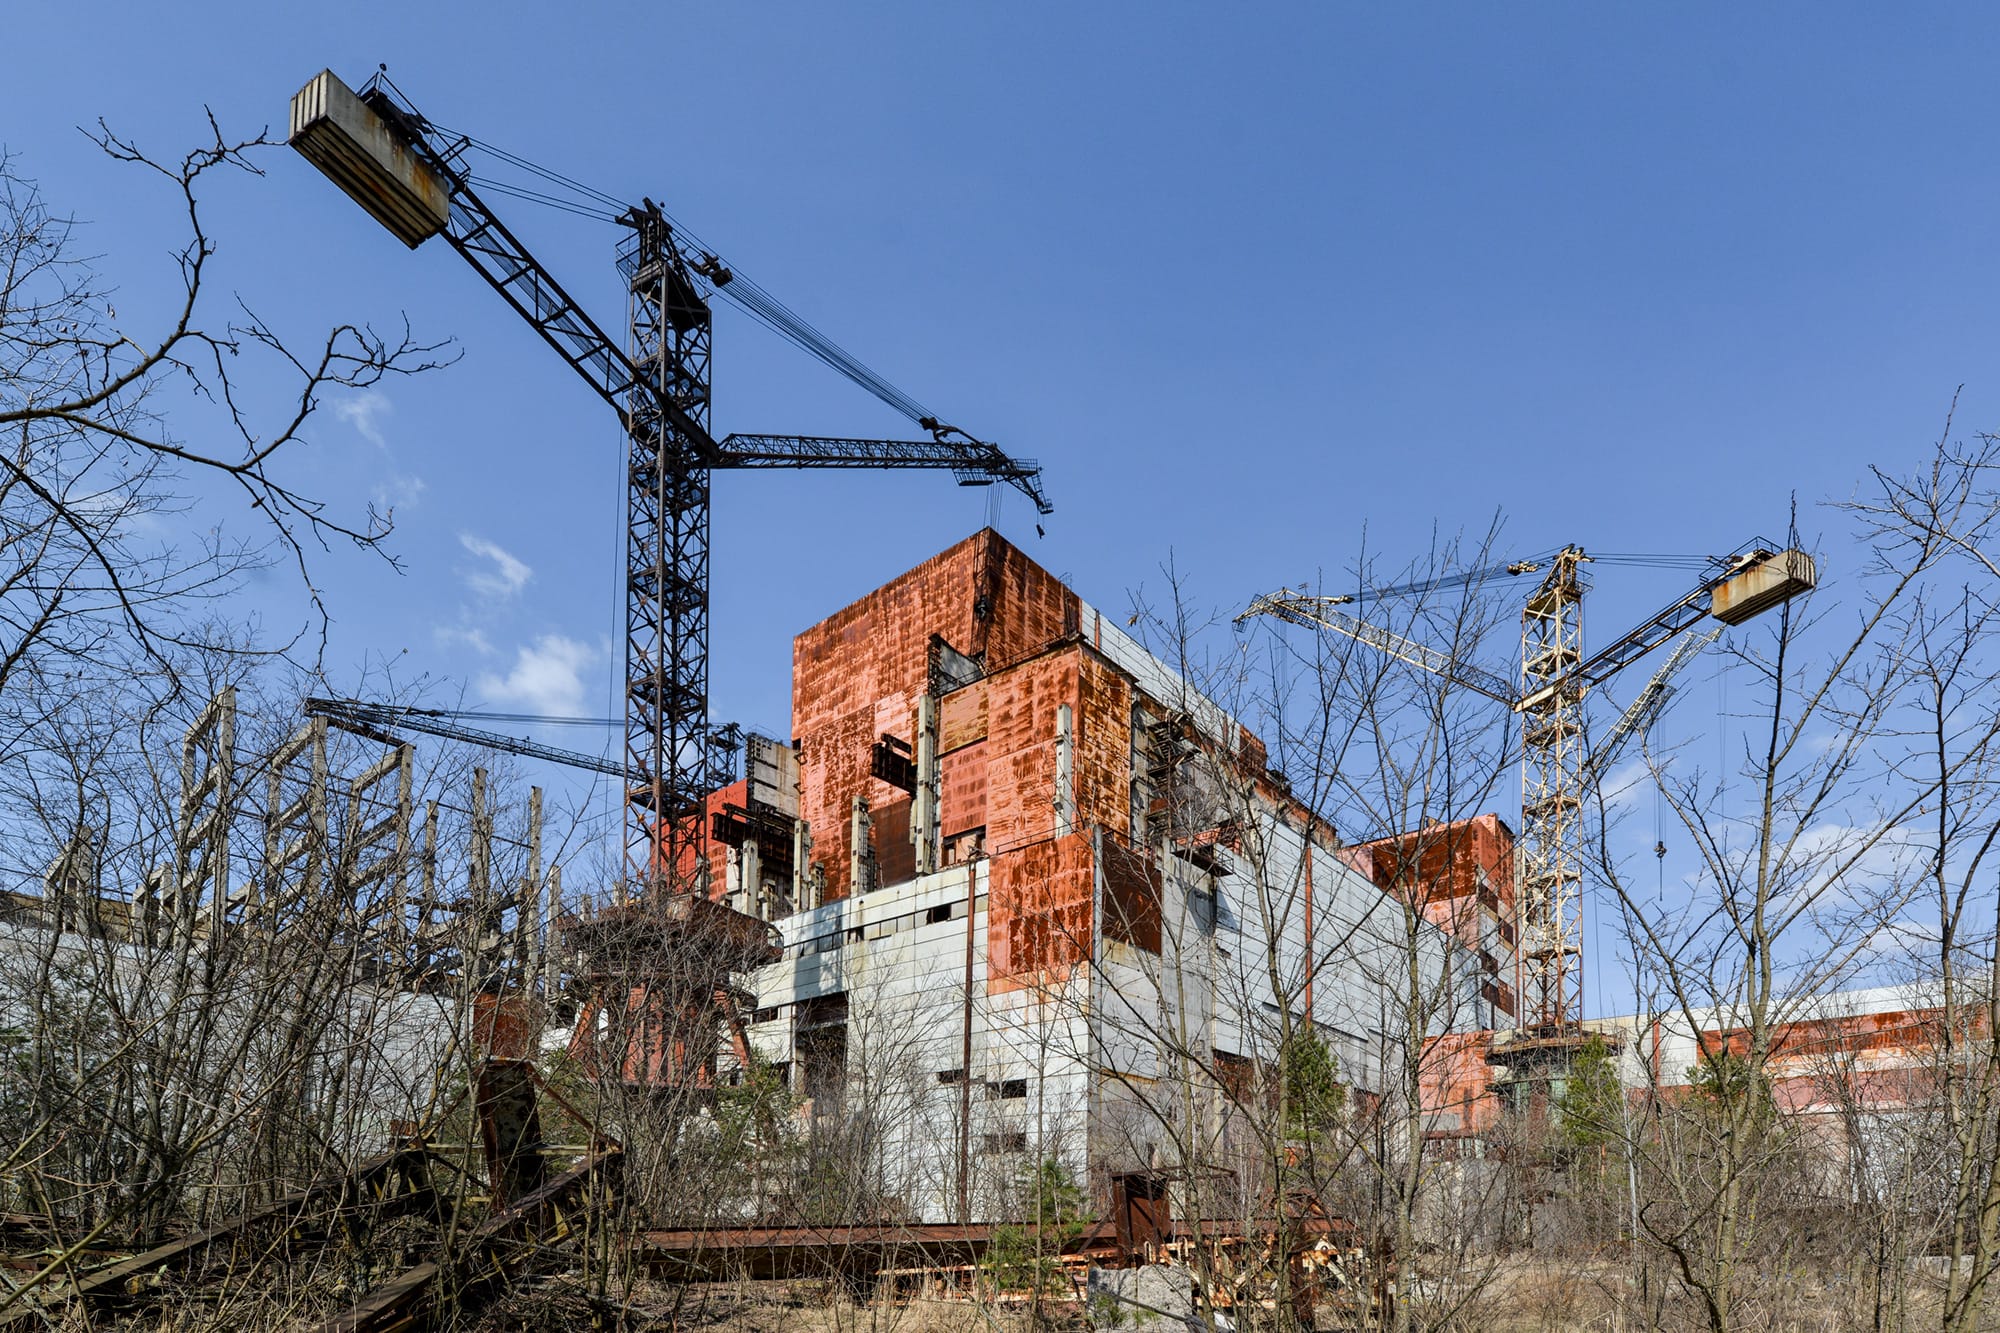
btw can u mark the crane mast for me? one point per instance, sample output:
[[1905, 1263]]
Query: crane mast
[[669, 765], [410, 177], [1548, 880]]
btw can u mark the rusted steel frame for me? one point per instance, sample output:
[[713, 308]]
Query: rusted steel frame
[[114, 1285], [700, 1253], [923, 1233], [726, 1252], [500, 1248]]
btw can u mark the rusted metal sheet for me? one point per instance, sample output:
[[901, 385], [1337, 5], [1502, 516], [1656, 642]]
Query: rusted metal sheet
[[1103, 706], [964, 803], [1457, 1085], [895, 855], [858, 672], [505, 1027], [1142, 1210]]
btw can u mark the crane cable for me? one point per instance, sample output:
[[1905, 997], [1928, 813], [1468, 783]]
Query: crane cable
[[740, 291], [1536, 563]]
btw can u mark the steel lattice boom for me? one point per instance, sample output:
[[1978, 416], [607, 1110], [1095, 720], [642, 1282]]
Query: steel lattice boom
[[377, 721]]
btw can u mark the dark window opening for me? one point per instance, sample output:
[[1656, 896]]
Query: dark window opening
[[951, 1078], [764, 1015], [1011, 1140], [1013, 1089], [890, 762], [942, 912]]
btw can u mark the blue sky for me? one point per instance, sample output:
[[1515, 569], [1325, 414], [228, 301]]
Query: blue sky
[[1249, 280]]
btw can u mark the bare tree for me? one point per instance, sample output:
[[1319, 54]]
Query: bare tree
[[104, 425], [1864, 730], [1294, 998]]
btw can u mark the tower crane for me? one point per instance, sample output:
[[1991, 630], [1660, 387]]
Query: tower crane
[[412, 177], [1548, 693]]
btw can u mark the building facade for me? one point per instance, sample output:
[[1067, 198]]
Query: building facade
[[1038, 896]]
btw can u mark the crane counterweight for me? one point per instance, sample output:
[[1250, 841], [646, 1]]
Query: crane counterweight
[[360, 152], [1777, 577]]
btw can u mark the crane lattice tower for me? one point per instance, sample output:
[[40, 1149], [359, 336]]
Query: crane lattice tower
[[1549, 873]]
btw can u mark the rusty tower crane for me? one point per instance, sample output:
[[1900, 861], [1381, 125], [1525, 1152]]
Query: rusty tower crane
[[1554, 678], [413, 178]]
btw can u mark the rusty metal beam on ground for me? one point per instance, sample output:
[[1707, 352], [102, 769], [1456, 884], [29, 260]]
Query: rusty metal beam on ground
[[508, 1246], [398, 1179], [762, 1253]]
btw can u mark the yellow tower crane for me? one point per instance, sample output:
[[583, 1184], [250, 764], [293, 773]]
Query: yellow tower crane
[[1548, 694]]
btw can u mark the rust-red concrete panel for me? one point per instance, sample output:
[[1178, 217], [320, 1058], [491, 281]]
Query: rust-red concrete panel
[[860, 672], [1456, 1084], [962, 717], [1103, 769], [1039, 926], [895, 854], [963, 805], [1021, 747]]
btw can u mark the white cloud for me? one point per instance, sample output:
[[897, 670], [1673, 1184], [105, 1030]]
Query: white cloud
[[504, 578], [547, 677], [399, 490], [470, 635], [364, 411]]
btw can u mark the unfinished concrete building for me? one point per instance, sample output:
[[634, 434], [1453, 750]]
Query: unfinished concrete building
[[1025, 875], [1460, 875]]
